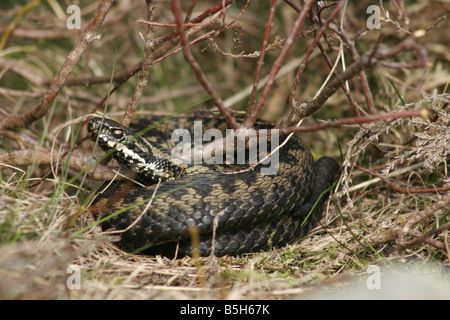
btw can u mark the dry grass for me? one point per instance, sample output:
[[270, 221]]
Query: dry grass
[[44, 220]]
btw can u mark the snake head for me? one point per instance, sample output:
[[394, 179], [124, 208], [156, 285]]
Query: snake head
[[123, 143], [130, 149], [108, 133]]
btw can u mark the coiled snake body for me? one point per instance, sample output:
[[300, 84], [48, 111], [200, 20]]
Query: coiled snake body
[[232, 211]]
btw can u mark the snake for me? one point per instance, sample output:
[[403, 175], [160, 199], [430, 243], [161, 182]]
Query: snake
[[178, 208]]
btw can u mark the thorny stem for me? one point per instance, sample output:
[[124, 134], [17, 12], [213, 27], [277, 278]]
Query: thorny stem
[[86, 38]]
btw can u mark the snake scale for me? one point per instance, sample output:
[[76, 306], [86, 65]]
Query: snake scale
[[232, 211]]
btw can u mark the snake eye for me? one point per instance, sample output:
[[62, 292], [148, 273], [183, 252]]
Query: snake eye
[[117, 134]]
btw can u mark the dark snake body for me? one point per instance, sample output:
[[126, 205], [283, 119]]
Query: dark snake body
[[232, 214]]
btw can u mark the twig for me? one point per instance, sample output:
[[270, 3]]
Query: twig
[[149, 48], [398, 234], [293, 5], [190, 10], [425, 237], [285, 69], [197, 70], [328, 61], [126, 74], [366, 61], [311, 48], [362, 74], [400, 190], [429, 211], [357, 120], [376, 180], [393, 233], [218, 7], [343, 86], [38, 34], [252, 113], [262, 55], [86, 38], [77, 161], [226, 27]]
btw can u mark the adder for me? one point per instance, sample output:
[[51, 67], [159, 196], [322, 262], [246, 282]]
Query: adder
[[175, 208]]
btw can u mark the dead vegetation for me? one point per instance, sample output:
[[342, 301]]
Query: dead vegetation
[[385, 117]]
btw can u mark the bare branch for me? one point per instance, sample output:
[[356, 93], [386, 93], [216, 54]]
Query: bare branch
[[308, 54], [86, 38], [356, 120], [197, 70], [147, 61], [77, 161], [407, 190], [366, 61], [262, 55], [252, 113]]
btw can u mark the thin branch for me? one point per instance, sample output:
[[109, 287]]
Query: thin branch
[[190, 10], [421, 237], [126, 74], [252, 113], [38, 34], [343, 86], [293, 5], [357, 120], [393, 233], [366, 61], [429, 211], [262, 55], [398, 234], [408, 190], [149, 48], [197, 69], [328, 61], [86, 38], [77, 162], [311, 48], [362, 74]]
